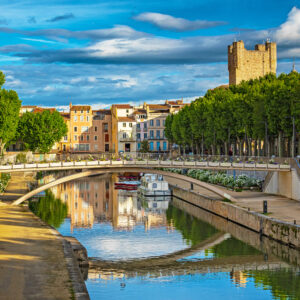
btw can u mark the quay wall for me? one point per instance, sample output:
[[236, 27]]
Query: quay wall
[[277, 230]]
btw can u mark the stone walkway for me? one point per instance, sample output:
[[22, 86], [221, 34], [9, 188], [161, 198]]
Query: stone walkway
[[32, 262], [279, 207]]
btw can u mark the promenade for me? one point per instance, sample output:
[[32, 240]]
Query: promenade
[[279, 207]]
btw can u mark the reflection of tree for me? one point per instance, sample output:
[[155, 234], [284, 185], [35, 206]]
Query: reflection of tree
[[283, 283], [50, 209], [232, 247], [192, 229]]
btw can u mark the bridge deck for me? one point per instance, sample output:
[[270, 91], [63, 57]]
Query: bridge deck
[[143, 164]]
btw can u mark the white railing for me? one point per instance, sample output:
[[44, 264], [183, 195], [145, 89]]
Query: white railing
[[148, 162]]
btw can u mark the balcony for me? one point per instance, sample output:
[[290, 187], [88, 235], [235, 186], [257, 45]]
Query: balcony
[[127, 139]]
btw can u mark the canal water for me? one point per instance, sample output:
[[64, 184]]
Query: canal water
[[148, 249]]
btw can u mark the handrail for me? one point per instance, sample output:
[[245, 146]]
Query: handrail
[[152, 163]]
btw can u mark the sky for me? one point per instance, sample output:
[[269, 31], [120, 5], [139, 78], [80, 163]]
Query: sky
[[132, 51]]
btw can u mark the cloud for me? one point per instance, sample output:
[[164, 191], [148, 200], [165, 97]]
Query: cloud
[[289, 32], [39, 40], [31, 20], [175, 24], [118, 31], [61, 18]]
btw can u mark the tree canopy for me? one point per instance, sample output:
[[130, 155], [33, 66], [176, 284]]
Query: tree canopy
[[253, 111], [9, 114], [40, 131]]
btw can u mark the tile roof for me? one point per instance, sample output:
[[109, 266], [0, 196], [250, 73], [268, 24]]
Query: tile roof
[[28, 106], [41, 109], [125, 119], [80, 107], [122, 105]]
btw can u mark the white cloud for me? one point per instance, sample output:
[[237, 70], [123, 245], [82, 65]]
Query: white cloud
[[289, 31], [39, 40], [176, 24]]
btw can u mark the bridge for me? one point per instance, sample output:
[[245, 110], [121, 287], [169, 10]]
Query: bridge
[[116, 169], [146, 163]]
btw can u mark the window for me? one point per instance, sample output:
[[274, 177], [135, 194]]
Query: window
[[145, 135], [75, 137], [151, 134], [81, 112], [124, 135], [65, 138], [151, 146], [138, 146], [84, 129], [96, 147], [158, 146], [157, 122], [95, 137], [145, 125], [154, 185], [164, 122], [81, 137], [124, 124], [75, 129], [138, 125], [151, 122], [84, 147], [87, 137], [105, 127], [158, 134], [96, 128], [106, 147], [75, 118], [164, 134], [81, 118], [87, 118], [138, 136], [127, 111], [106, 138], [88, 111], [130, 124], [165, 146], [75, 111], [76, 145]]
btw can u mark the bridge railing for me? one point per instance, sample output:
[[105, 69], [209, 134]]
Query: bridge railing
[[156, 161]]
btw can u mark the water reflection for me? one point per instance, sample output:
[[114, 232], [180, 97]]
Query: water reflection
[[142, 246]]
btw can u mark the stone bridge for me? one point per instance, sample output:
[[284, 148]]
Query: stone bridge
[[117, 169], [98, 164]]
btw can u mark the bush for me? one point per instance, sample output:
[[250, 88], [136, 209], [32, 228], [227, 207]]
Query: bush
[[21, 158], [5, 177]]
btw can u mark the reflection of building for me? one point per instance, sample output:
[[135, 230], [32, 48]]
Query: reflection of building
[[239, 278], [94, 199]]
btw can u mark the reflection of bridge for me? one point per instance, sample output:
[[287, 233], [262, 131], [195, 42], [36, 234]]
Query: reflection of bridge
[[56, 166], [117, 169], [174, 263]]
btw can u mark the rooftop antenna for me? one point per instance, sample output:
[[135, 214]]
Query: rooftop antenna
[[294, 69]]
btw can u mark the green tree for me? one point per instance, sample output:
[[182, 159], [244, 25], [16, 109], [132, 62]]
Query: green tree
[[9, 114], [145, 147], [40, 131]]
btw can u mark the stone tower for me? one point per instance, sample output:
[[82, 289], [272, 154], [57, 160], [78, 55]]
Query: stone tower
[[246, 64]]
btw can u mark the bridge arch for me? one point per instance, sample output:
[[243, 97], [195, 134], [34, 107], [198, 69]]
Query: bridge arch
[[44, 187]]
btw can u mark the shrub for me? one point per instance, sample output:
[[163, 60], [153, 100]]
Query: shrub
[[21, 158]]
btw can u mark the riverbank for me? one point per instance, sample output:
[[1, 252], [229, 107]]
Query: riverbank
[[36, 262], [272, 227]]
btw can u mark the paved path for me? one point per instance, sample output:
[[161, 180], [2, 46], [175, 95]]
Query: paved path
[[279, 207], [17, 186], [32, 262]]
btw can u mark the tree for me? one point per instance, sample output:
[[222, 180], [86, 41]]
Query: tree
[[40, 131], [145, 147], [9, 114]]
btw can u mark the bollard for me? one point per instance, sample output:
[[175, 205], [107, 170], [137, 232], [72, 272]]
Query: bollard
[[192, 186], [265, 207]]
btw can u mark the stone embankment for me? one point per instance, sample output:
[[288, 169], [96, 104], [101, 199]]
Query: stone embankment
[[276, 229]]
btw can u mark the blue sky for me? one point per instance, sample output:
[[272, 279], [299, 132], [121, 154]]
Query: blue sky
[[129, 51]]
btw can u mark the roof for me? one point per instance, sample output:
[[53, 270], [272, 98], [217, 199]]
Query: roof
[[177, 102], [140, 112], [28, 106], [40, 110], [103, 111], [122, 106], [158, 107], [65, 115], [126, 119], [80, 107]]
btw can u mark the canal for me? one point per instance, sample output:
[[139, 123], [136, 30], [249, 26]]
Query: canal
[[149, 249]]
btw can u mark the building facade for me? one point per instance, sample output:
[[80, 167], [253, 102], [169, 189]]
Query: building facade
[[246, 64]]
